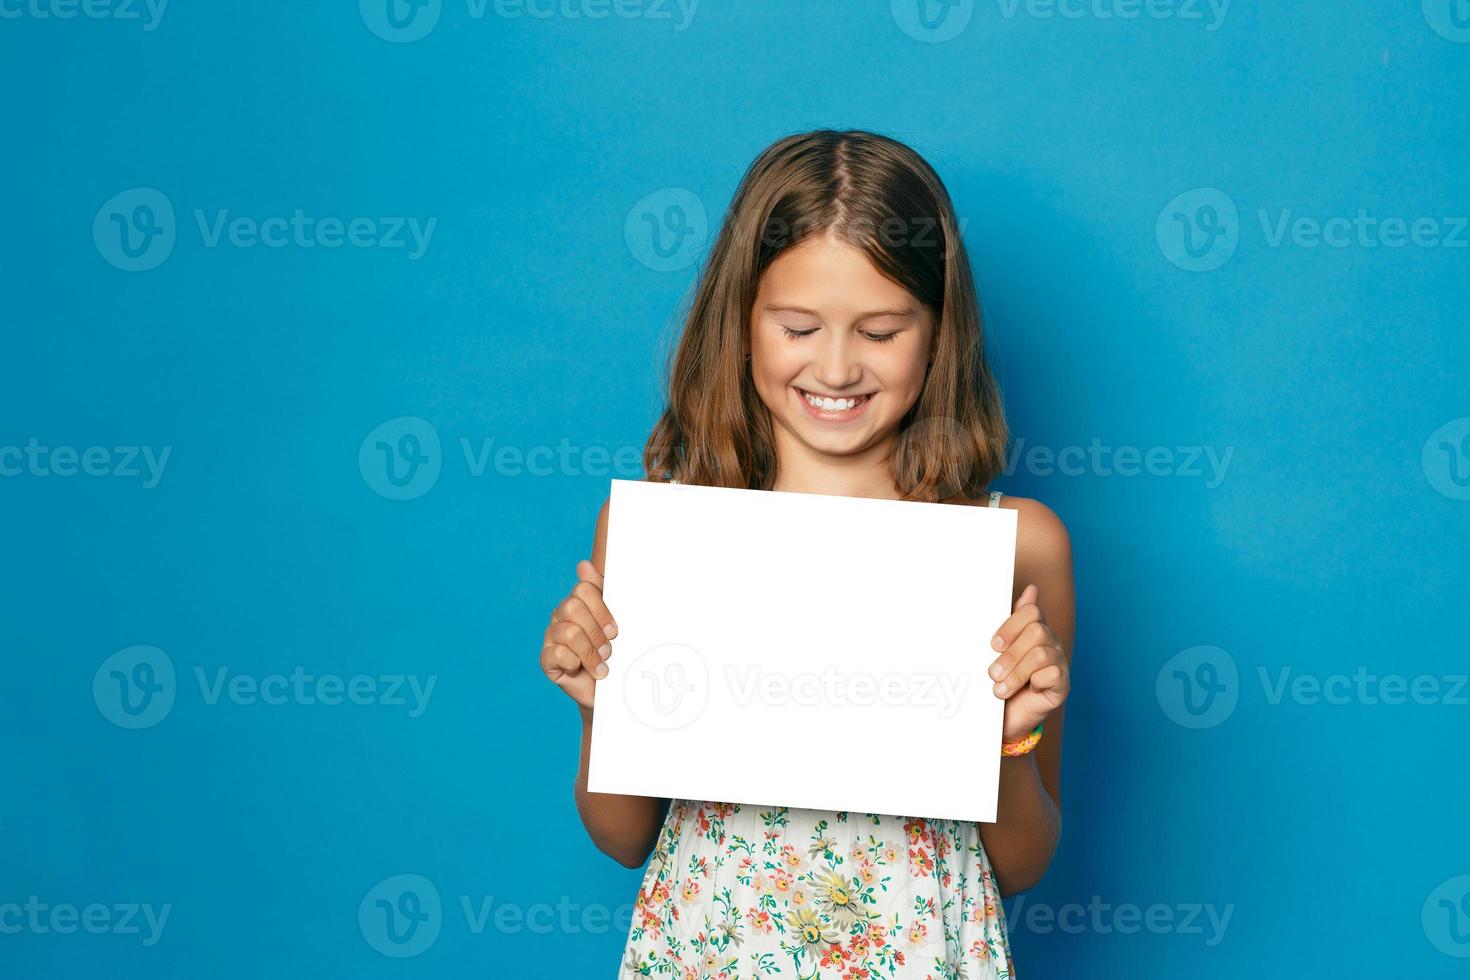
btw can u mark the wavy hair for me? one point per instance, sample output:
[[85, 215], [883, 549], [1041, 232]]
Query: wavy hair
[[878, 195]]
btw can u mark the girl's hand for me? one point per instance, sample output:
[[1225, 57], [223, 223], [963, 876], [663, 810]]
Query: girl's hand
[[576, 643], [1032, 673]]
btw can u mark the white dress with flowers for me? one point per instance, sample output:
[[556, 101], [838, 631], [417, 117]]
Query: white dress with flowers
[[739, 891], [735, 891]]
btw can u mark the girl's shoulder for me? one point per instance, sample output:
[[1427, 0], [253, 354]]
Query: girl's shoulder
[[1040, 533]]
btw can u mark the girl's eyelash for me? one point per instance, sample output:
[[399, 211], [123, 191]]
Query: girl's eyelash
[[886, 338]]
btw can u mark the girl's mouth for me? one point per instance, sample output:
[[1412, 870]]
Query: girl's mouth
[[825, 409]]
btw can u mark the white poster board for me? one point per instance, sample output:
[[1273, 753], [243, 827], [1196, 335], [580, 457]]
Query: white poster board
[[802, 650]]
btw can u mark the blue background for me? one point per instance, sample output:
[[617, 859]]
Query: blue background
[[1336, 539]]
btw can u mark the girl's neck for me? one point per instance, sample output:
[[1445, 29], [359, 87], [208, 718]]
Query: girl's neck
[[849, 478]]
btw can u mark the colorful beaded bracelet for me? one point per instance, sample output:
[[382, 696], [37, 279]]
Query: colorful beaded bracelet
[[1022, 746]]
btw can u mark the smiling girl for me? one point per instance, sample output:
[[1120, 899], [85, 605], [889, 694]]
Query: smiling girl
[[834, 346]]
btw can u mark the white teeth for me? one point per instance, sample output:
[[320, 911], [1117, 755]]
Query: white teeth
[[831, 404]]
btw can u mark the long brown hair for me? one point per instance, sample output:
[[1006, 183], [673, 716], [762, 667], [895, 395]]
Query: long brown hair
[[875, 194]]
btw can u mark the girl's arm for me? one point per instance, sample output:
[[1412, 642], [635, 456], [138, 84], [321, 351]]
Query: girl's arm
[[1028, 824], [623, 827]]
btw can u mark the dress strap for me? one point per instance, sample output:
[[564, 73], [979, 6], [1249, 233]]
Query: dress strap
[[994, 498]]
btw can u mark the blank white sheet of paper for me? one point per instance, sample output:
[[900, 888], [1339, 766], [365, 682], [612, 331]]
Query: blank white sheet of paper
[[802, 650]]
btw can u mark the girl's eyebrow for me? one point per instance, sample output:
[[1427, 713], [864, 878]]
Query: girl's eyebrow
[[907, 312]]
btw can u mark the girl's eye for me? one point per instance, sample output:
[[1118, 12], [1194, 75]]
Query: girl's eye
[[886, 338]]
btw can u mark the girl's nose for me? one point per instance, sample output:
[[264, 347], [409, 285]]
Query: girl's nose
[[837, 367]]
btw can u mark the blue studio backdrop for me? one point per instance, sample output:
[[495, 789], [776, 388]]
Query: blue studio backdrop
[[325, 327]]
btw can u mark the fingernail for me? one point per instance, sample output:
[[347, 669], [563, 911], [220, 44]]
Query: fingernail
[[611, 630], [995, 672], [600, 672], [999, 688], [998, 642], [604, 651]]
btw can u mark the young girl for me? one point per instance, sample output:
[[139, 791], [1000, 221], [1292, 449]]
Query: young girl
[[834, 346]]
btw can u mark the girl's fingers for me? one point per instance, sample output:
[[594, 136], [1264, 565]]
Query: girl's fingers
[[574, 638], [591, 595], [1027, 596], [1026, 612], [557, 660], [1050, 681], [578, 608], [1011, 639], [587, 572], [1036, 657]]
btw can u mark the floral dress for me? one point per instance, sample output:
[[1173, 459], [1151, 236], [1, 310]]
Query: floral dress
[[739, 891]]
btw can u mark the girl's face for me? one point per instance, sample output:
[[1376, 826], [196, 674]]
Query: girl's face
[[827, 324]]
